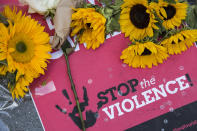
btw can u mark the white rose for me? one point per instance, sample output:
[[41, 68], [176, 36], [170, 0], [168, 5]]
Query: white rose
[[40, 6]]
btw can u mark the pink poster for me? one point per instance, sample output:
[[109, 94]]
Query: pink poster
[[114, 96]]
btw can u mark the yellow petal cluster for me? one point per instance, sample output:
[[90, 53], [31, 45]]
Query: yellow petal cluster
[[180, 42], [25, 46], [171, 14], [3, 69], [137, 20], [12, 14], [90, 26], [142, 55]]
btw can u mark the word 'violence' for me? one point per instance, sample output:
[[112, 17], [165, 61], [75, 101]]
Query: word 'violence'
[[146, 97]]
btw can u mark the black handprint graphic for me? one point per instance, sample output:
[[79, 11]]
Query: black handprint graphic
[[91, 116]]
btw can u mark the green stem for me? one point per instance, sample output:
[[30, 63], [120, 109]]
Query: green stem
[[74, 91], [164, 37]]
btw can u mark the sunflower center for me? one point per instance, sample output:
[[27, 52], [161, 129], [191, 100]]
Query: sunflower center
[[173, 43], [146, 52], [139, 17], [170, 11], [21, 47], [88, 25]]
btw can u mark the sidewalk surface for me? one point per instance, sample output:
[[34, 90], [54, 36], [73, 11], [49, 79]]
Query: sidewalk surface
[[22, 118]]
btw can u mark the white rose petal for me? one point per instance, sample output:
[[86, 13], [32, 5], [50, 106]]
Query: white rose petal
[[40, 6]]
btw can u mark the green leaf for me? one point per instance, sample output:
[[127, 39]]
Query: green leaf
[[66, 47], [170, 1], [191, 18], [108, 25], [118, 2], [111, 11], [108, 12], [50, 13], [111, 2], [115, 26], [44, 83], [112, 15], [149, 1], [106, 2], [156, 35]]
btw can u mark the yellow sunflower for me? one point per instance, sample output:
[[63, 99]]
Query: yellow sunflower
[[136, 19], [91, 25], [144, 54], [12, 15], [172, 14], [25, 47], [180, 42], [20, 88]]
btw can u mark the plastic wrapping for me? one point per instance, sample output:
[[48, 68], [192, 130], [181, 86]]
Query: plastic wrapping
[[6, 101]]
